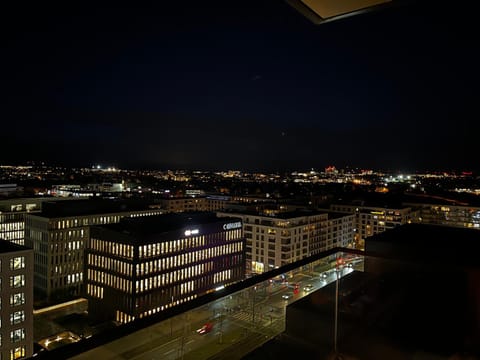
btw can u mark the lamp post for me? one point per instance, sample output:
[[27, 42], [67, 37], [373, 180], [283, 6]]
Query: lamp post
[[335, 331], [338, 268], [253, 305], [220, 339], [171, 322]]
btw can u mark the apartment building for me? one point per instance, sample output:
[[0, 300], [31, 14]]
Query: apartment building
[[444, 214], [372, 220], [274, 239], [16, 301], [194, 203]]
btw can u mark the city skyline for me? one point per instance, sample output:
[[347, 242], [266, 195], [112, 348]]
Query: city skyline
[[242, 87], [111, 167]]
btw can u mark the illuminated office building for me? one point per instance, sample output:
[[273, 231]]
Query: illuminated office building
[[372, 220], [16, 301], [58, 235], [274, 239], [139, 267], [12, 217]]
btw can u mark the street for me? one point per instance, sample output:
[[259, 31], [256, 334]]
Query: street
[[251, 316]]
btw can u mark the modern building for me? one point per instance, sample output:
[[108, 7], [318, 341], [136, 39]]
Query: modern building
[[88, 190], [16, 301], [372, 220], [12, 216], [8, 189], [193, 203], [250, 199], [445, 214], [139, 267], [274, 239], [58, 235], [217, 202]]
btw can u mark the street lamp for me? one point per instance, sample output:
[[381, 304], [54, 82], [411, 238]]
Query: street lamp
[[253, 305], [338, 268], [335, 331]]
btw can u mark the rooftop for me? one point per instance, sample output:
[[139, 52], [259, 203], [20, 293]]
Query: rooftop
[[149, 225], [427, 244], [7, 246], [66, 208], [450, 199], [335, 215], [284, 215], [371, 204]]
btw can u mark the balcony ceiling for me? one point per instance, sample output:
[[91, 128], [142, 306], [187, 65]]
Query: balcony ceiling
[[319, 11]]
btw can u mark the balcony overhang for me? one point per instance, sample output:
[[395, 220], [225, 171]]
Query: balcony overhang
[[320, 11]]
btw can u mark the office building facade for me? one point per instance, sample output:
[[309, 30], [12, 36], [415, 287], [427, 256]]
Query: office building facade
[[12, 216], [59, 235], [139, 267]]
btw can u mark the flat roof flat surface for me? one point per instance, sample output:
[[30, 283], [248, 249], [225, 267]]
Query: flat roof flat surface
[[427, 244], [7, 246], [166, 222], [391, 310], [68, 208]]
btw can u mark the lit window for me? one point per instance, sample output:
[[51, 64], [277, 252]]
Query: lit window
[[17, 353], [17, 335], [17, 281], [17, 263], [17, 299]]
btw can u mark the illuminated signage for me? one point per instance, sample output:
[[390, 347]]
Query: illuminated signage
[[191, 232], [235, 225]]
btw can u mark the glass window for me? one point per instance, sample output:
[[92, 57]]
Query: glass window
[[17, 281], [17, 317], [17, 353], [17, 263], [17, 299], [17, 335]]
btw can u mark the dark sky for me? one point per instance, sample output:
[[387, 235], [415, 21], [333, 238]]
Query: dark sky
[[248, 84]]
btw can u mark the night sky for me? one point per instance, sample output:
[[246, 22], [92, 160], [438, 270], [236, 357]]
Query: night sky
[[239, 85]]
